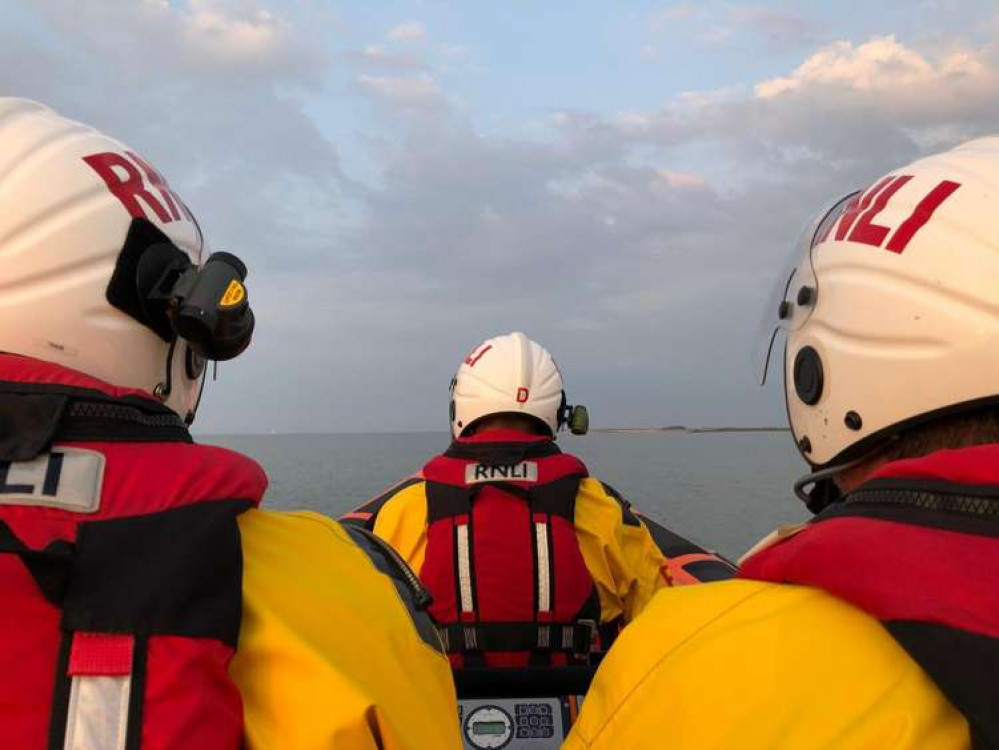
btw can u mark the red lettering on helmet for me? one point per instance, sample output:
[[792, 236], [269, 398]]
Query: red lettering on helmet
[[874, 201], [157, 181], [125, 182], [922, 213], [474, 357], [866, 231], [855, 207], [522, 395]]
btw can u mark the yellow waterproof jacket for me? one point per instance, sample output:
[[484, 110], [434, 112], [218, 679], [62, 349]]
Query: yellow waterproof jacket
[[746, 665], [620, 554], [329, 656]]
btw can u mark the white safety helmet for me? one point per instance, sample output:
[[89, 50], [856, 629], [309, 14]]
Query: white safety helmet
[[507, 375], [892, 309], [72, 201]]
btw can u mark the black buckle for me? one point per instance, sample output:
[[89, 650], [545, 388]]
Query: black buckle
[[584, 639]]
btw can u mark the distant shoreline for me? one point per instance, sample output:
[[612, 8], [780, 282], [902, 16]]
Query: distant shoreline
[[682, 428]]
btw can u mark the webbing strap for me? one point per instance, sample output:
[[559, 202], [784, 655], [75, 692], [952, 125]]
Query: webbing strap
[[578, 639], [101, 686]]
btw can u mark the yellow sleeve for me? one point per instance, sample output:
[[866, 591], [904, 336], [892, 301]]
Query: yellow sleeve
[[328, 654], [620, 554], [745, 665], [402, 522]]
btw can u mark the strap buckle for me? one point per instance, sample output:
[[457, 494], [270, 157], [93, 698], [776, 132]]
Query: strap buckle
[[584, 639]]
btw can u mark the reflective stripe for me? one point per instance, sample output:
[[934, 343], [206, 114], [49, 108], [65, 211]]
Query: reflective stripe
[[544, 592], [464, 569], [471, 638], [98, 713]]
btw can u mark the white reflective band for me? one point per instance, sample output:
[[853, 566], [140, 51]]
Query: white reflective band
[[544, 592], [98, 713], [464, 569]]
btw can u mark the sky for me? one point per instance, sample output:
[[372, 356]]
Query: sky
[[621, 181]]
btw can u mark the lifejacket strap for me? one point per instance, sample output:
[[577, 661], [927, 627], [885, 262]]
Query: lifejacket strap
[[578, 639]]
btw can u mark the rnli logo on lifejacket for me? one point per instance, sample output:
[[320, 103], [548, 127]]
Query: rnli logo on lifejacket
[[526, 471], [67, 478]]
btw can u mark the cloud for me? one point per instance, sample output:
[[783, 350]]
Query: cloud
[[411, 31], [640, 245], [885, 67], [254, 35], [375, 58], [651, 236], [212, 89], [207, 37], [414, 90]]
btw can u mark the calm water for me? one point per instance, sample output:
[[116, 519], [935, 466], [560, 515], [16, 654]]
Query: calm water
[[721, 490]]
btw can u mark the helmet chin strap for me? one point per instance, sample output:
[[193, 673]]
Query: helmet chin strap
[[163, 388], [824, 490]]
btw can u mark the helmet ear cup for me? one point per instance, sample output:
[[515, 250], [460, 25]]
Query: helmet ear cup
[[452, 407], [146, 255], [808, 376], [562, 416]]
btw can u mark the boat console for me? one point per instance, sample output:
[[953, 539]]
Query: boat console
[[530, 708]]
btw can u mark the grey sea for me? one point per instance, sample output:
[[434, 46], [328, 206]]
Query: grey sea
[[721, 490]]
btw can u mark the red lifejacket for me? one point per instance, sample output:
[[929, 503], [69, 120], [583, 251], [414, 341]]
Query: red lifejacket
[[120, 569], [509, 583], [917, 547]]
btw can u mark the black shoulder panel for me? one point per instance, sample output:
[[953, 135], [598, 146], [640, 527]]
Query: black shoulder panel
[[413, 593], [176, 572], [629, 518], [557, 498], [963, 665], [447, 501]]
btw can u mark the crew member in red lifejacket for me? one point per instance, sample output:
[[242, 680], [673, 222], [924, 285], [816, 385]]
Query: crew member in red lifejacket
[[529, 559], [876, 625], [146, 603]]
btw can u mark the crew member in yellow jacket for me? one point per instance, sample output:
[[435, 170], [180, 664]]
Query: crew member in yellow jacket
[[147, 600], [875, 625], [529, 558], [334, 650]]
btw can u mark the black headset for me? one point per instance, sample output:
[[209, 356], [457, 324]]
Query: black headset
[[207, 306]]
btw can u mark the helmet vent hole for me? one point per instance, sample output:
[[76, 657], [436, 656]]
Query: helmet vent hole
[[805, 445], [853, 420], [808, 377]]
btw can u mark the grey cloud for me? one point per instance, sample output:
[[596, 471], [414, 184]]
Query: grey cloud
[[640, 248], [197, 88], [377, 59]]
